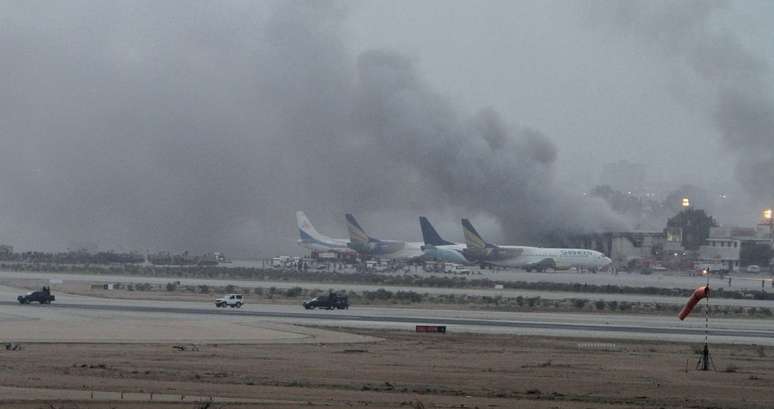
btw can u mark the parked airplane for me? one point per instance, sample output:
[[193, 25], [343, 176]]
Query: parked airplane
[[529, 258], [366, 245], [312, 240], [438, 249]]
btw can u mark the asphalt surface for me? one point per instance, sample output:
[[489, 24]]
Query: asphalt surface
[[84, 309], [344, 317]]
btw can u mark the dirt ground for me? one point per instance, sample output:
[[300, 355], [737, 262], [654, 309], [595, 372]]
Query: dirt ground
[[405, 370]]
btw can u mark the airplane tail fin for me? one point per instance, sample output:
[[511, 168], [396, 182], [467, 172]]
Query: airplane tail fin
[[357, 236], [306, 230], [473, 240], [429, 235]]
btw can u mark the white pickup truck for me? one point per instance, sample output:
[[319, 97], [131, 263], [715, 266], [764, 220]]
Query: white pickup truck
[[230, 300]]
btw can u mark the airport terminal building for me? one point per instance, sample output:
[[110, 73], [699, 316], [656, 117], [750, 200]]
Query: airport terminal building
[[728, 248]]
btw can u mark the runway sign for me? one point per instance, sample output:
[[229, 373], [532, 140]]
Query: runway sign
[[432, 328]]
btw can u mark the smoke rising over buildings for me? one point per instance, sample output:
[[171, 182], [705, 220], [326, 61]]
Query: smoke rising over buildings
[[201, 125], [736, 82]]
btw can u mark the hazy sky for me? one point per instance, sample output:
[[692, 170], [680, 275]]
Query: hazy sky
[[553, 65], [205, 125]]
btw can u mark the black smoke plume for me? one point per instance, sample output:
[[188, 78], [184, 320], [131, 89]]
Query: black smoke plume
[[205, 125]]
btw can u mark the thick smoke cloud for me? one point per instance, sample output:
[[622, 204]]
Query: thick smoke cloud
[[478, 164], [736, 82], [203, 126]]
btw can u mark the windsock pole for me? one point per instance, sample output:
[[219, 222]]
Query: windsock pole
[[706, 314], [706, 360]]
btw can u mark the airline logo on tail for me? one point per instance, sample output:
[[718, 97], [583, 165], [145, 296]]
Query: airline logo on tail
[[357, 235], [310, 238], [472, 238], [478, 249], [361, 242], [305, 228]]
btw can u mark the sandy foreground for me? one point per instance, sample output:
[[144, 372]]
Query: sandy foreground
[[386, 369], [92, 359]]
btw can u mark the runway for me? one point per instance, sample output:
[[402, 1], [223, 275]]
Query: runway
[[575, 325], [84, 318]]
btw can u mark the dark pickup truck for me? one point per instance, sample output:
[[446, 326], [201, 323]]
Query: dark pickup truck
[[332, 301], [43, 296]]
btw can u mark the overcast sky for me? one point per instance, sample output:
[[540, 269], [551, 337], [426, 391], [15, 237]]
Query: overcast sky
[[550, 65], [204, 125]]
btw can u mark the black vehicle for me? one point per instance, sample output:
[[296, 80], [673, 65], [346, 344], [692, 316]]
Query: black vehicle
[[332, 301], [43, 296]]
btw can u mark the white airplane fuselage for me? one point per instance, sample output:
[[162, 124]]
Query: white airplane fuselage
[[557, 258]]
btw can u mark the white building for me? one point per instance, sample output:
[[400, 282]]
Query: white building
[[623, 247], [720, 253], [723, 248]]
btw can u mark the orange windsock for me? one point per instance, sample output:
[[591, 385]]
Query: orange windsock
[[697, 295]]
